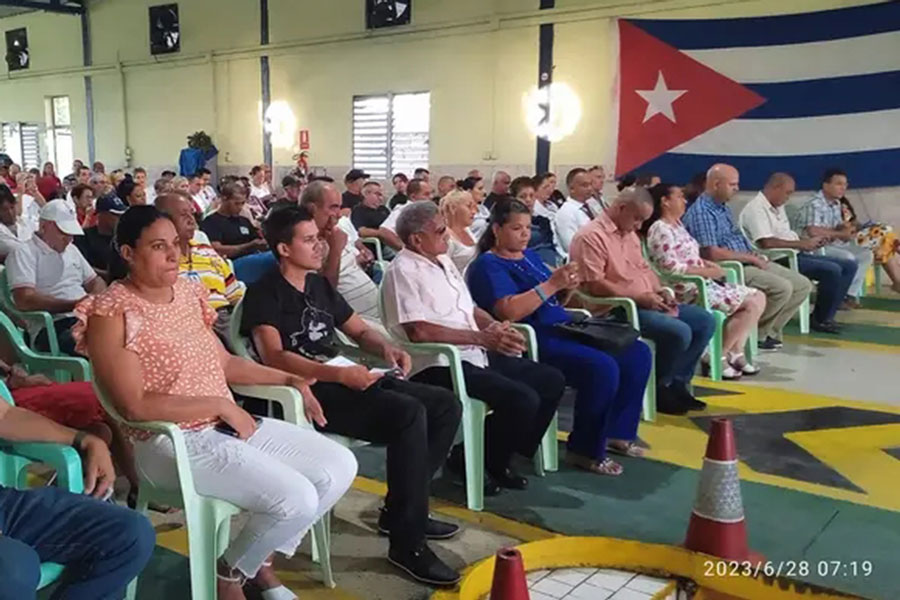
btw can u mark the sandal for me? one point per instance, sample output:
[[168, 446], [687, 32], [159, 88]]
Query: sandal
[[276, 593], [607, 466], [626, 449], [739, 363]]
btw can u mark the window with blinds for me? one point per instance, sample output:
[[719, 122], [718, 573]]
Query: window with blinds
[[21, 141], [390, 133]]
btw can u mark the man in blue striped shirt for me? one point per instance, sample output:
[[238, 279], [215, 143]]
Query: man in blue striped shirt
[[709, 220]]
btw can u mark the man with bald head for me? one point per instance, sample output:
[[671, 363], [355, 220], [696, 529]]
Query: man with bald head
[[709, 220], [499, 189], [766, 223], [608, 253]]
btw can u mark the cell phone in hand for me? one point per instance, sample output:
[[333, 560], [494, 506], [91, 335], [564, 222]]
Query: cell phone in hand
[[223, 427]]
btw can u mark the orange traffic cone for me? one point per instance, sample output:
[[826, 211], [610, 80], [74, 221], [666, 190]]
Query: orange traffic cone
[[509, 576], [717, 524]]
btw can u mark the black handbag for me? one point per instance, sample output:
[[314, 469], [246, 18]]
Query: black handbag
[[603, 333]]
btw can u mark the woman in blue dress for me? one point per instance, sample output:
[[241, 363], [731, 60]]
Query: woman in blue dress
[[510, 281]]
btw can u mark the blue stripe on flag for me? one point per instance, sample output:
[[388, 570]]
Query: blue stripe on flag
[[874, 168], [776, 30], [834, 96]]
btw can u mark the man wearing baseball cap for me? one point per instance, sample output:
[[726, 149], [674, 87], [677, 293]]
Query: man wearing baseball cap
[[353, 182], [48, 273], [96, 243]]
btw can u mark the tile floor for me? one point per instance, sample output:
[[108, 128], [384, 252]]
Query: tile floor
[[592, 584]]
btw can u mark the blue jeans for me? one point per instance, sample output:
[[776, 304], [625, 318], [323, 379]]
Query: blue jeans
[[103, 546], [834, 276], [610, 390], [252, 267], [680, 341]]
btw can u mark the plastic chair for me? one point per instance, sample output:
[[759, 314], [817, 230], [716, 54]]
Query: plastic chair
[[39, 317], [57, 368], [14, 460], [648, 413], [475, 411], [208, 519], [380, 263]]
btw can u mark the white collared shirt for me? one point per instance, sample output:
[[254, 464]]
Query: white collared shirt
[[391, 222], [416, 289], [480, 224], [10, 239], [572, 216], [62, 275], [759, 220]]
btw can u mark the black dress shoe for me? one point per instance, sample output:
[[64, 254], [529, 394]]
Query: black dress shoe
[[685, 397], [826, 327], [667, 403], [509, 479], [434, 529], [424, 565], [769, 344], [456, 464]]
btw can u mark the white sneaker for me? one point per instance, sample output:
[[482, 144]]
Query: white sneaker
[[729, 372]]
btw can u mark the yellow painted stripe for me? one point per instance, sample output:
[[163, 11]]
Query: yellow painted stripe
[[653, 559], [664, 593], [805, 340]]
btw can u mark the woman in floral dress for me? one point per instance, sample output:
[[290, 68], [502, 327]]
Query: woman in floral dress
[[879, 238], [673, 250]]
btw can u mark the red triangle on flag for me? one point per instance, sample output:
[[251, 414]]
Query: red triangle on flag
[[667, 98]]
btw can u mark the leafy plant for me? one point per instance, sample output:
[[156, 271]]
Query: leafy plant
[[200, 140]]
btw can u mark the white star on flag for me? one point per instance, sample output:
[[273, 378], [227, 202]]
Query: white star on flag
[[660, 99]]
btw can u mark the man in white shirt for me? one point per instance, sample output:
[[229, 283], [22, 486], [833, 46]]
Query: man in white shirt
[[12, 235], [765, 221], [340, 266], [48, 273], [598, 178], [83, 176], [418, 190], [199, 193], [578, 210], [426, 300]]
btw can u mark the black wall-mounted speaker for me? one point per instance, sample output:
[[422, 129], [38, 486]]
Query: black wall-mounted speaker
[[165, 33], [17, 49], [387, 13]]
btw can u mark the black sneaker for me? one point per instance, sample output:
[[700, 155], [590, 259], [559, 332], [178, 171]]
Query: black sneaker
[[509, 479], [667, 403], [769, 344], [456, 464], [434, 529], [685, 397], [827, 327], [424, 565]]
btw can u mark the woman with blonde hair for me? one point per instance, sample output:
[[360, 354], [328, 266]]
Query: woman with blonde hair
[[459, 209]]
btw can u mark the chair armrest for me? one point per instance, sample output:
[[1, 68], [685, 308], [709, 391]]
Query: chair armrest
[[289, 398], [45, 320], [64, 459], [377, 243], [627, 303], [78, 368], [531, 345], [579, 311], [779, 253], [697, 280], [448, 351], [734, 271]]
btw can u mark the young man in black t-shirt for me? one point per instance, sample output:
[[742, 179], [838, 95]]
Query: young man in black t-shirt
[[368, 217], [235, 237], [353, 182], [291, 315], [96, 243], [400, 181]]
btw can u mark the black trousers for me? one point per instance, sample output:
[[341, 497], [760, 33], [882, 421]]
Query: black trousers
[[523, 395], [63, 328], [417, 422]]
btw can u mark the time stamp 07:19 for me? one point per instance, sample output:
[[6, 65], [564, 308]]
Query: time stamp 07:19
[[788, 568]]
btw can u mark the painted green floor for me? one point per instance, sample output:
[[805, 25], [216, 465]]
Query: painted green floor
[[653, 502]]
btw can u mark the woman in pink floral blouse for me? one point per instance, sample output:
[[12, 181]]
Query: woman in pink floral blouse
[[673, 250]]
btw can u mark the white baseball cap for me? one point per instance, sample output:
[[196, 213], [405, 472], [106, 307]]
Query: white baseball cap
[[63, 215]]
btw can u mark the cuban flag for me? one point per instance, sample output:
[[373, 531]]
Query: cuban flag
[[796, 93]]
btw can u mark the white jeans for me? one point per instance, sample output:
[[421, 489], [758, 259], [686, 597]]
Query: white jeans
[[285, 476], [863, 258]]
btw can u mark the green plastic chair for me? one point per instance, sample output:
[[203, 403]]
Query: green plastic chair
[[208, 519], [791, 256], [39, 317], [380, 263], [475, 411], [58, 368], [648, 413], [14, 460]]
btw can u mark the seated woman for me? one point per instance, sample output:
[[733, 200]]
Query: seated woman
[[459, 209], [543, 240], [673, 250], [156, 358], [512, 283], [879, 238]]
